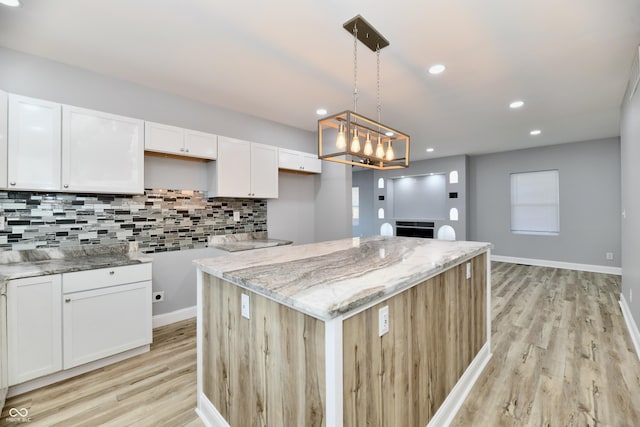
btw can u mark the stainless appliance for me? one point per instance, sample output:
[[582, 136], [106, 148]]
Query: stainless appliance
[[415, 229]]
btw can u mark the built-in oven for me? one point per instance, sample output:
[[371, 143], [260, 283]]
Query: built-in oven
[[415, 229]]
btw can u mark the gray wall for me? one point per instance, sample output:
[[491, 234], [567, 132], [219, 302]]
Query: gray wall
[[589, 175], [630, 149], [314, 196], [366, 224], [442, 165]]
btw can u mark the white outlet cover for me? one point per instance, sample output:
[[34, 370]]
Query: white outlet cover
[[383, 320], [468, 270], [244, 306], [236, 216]]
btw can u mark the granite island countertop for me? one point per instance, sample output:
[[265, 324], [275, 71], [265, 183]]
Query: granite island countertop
[[41, 262], [328, 279]]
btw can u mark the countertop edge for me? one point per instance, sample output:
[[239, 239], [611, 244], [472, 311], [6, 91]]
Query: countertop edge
[[353, 306]]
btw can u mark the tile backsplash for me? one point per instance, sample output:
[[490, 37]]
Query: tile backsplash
[[159, 220]]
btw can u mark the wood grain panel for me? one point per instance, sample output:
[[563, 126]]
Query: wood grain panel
[[264, 371], [436, 329]]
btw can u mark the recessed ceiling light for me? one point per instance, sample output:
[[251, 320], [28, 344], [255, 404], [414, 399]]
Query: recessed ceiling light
[[437, 69], [12, 3], [429, 150], [535, 132], [389, 133], [516, 104], [321, 111]]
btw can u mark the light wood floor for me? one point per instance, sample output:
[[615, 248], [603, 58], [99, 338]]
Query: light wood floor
[[561, 357]]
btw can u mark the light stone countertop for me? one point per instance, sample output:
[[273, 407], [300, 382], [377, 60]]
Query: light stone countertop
[[43, 262], [328, 279], [245, 241]]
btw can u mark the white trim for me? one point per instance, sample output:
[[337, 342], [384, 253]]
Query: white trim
[[632, 327], [333, 372], [174, 316], [78, 370], [488, 308], [208, 413], [559, 264], [449, 408]]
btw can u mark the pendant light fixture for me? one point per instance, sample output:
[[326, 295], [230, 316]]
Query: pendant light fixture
[[333, 130]]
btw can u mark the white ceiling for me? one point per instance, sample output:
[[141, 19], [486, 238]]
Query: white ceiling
[[568, 60]]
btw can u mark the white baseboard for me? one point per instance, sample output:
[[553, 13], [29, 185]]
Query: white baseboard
[[449, 408], [174, 316], [631, 324], [559, 264], [208, 413]]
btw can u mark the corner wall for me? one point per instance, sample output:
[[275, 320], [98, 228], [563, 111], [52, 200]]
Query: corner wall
[[589, 202]]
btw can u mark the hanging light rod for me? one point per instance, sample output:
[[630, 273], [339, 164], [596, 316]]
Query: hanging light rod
[[384, 147], [366, 34]]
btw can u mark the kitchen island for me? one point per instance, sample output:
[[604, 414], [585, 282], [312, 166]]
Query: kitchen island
[[380, 331]]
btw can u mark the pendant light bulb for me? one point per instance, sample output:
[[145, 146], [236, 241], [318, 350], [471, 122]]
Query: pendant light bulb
[[368, 148], [390, 153], [379, 149], [341, 141], [355, 142]]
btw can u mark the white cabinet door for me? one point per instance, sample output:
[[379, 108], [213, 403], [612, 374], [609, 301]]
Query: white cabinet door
[[233, 174], [288, 159], [264, 171], [101, 152], [163, 138], [200, 144], [3, 138], [103, 322], [34, 144], [311, 163], [34, 327]]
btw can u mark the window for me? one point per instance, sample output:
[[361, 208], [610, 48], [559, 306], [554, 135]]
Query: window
[[355, 206], [535, 203]]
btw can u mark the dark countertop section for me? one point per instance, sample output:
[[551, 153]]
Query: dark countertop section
[[42, 262], [245, 241]]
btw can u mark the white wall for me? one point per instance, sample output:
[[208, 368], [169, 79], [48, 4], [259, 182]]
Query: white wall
[[630, 173]]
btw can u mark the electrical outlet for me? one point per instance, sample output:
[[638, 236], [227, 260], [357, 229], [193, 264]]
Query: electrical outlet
[[157, 296], [383, 320], [236, 216], [244, 305], [609, 256], [2, 221], [468, 270]]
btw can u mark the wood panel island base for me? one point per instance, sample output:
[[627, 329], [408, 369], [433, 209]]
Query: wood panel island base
[[381, 331]]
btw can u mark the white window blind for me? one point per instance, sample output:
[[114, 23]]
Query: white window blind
[[535, 203]]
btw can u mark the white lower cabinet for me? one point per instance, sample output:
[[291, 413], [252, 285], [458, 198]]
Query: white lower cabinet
[[65, 320], [34, 327], [102, 322]]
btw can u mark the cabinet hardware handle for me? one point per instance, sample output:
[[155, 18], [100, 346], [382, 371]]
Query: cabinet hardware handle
[[112, 272], [187, 150], [66, 186], [13, 183], [67, 300]]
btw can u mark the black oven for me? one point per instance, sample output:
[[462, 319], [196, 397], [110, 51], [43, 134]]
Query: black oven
[[415, 229]]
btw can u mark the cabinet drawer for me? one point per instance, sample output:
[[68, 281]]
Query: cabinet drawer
[[103, 277]]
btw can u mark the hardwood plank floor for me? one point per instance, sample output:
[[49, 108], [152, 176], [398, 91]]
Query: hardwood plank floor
[[561, 357], [157, 388]]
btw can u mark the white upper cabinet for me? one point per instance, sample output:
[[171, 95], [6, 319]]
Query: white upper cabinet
[[298, 161], [244, 169], [179, 141], [3, 138], [52, 147], [34, 144], [101, 152]]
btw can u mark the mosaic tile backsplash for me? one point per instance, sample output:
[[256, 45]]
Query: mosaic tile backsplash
[[159, 220]]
